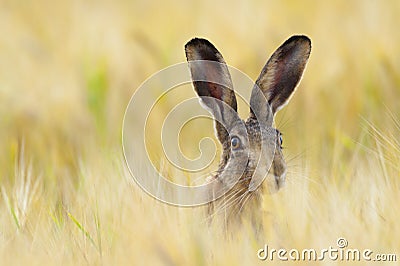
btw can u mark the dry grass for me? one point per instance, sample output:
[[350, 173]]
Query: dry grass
[[67, 70]]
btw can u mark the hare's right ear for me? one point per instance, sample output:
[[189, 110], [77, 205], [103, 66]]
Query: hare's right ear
[[280, 76], [213, 84]]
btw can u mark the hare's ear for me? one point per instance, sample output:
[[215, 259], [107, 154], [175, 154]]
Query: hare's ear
[[281, 74], [213, 84]]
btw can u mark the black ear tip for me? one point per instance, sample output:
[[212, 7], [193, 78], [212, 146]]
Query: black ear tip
[[196, 42], [300, 39]]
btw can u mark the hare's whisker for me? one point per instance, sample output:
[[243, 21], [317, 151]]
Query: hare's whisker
[[229, 202], [247, 197]]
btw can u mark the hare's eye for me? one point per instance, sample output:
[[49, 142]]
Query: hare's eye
[[235, 142]]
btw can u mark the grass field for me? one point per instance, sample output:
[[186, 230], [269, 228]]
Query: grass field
[[68, 69]]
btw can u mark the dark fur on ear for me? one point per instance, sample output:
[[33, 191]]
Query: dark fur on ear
[[211, 78], [282, 72]]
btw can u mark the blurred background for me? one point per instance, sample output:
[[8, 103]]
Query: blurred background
[[69, 68]]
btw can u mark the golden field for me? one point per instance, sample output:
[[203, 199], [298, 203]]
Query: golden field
[[68, 69]]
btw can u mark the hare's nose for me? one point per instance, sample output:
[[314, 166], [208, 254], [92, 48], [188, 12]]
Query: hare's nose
[[280, 180]]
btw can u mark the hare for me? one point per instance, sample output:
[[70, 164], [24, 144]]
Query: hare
[[252, 144]]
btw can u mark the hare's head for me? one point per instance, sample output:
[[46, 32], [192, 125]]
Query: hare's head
[[251, 148]]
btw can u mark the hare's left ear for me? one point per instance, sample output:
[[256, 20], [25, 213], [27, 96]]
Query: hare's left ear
[[280, 75], [213, 84]]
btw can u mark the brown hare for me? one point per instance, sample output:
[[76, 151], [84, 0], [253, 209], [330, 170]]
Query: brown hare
[[252, 148]]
